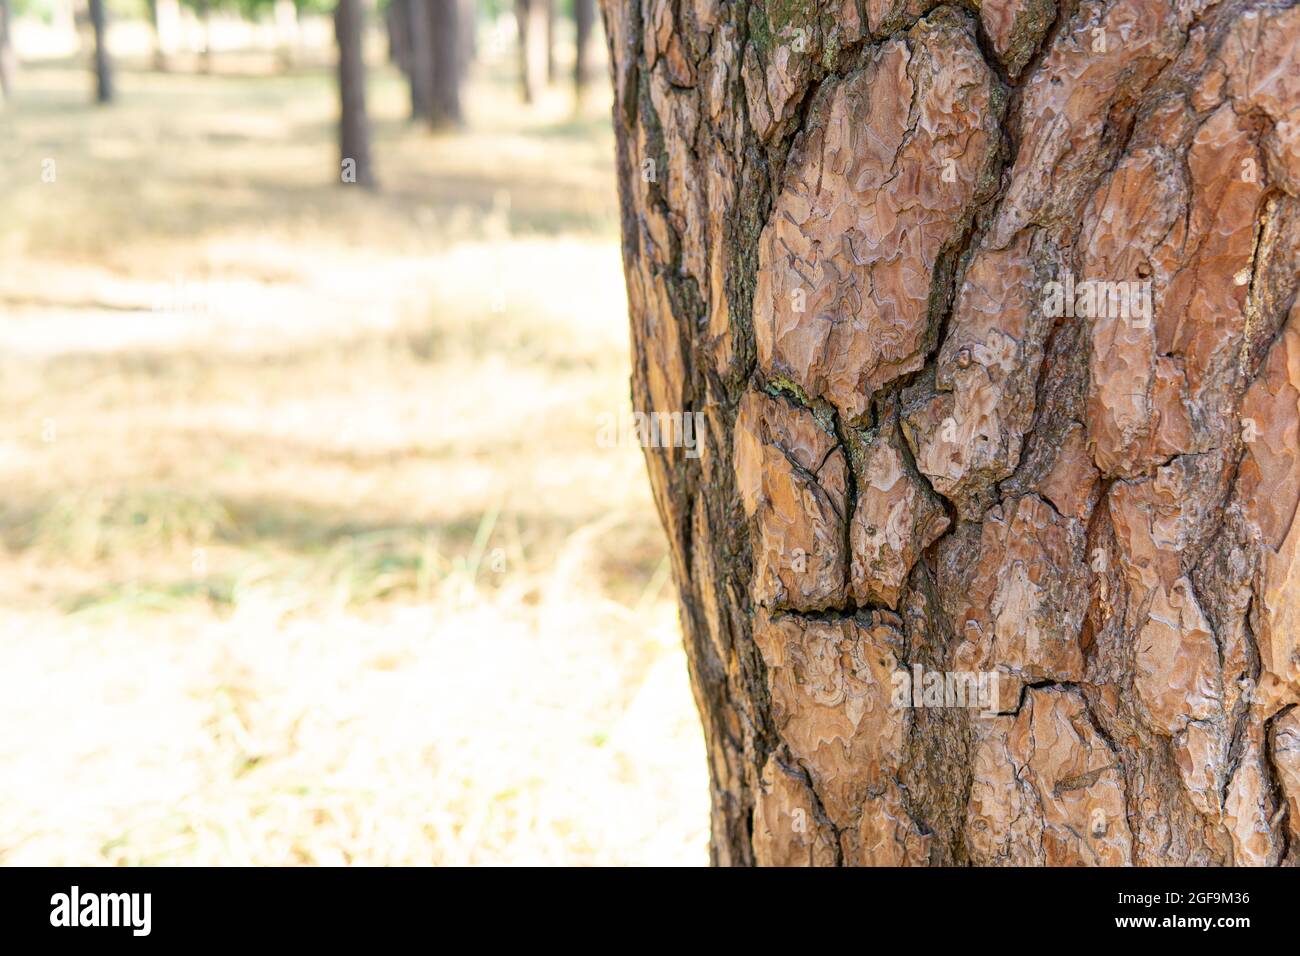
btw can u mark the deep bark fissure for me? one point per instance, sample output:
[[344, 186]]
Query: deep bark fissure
[[1283, 817]]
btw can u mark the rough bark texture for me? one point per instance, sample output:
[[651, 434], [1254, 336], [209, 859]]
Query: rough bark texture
[[103, 64], [847, 227], [354, 125]]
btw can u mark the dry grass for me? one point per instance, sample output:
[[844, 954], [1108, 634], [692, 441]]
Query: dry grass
[[308, 552]]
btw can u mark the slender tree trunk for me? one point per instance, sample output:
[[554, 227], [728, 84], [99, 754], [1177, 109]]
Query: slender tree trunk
[[164, 15], [354, 125], [398, 22], [584, 17], [204, 12], [420, 56], [531, 17], [984, 349], [444, 26], [548, 7], [159, 57], [103, 64], [286, 30], [6, 50], [467, 50]]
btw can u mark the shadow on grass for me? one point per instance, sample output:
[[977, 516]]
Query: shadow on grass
[[307, 556]]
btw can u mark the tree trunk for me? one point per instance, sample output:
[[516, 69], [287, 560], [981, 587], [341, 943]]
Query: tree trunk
[[397, 19], [444, 26], [203, 10], [548, 9], [531, 18], [467, 50], [420, 54], [584, 17], [6, 51], [164, 16], [354, 126], [103, 65], [286, 32], [159, 57], [980, 561]]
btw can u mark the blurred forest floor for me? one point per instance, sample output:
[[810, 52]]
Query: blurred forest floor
[[308, 551]]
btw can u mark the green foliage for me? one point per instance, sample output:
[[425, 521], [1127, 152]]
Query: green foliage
[[40, 9], [491, 9], [259, 9]]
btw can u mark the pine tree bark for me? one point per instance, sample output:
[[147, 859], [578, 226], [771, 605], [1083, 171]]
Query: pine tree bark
[[857, 237], [354, 125], [103, 63], [444, 26]]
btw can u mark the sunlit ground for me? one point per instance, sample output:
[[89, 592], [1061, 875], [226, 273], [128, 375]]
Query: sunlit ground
[[308, 550]]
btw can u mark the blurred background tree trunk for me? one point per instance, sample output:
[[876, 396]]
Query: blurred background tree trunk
[[444, 17], [584, 19], [549, 8], [165, 20], [6, 50], [354, 125], [203, 10], [468, 47], [397, 23], [159, 57], [103, 64], [286, 32], [531, 17], [420, 57]]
